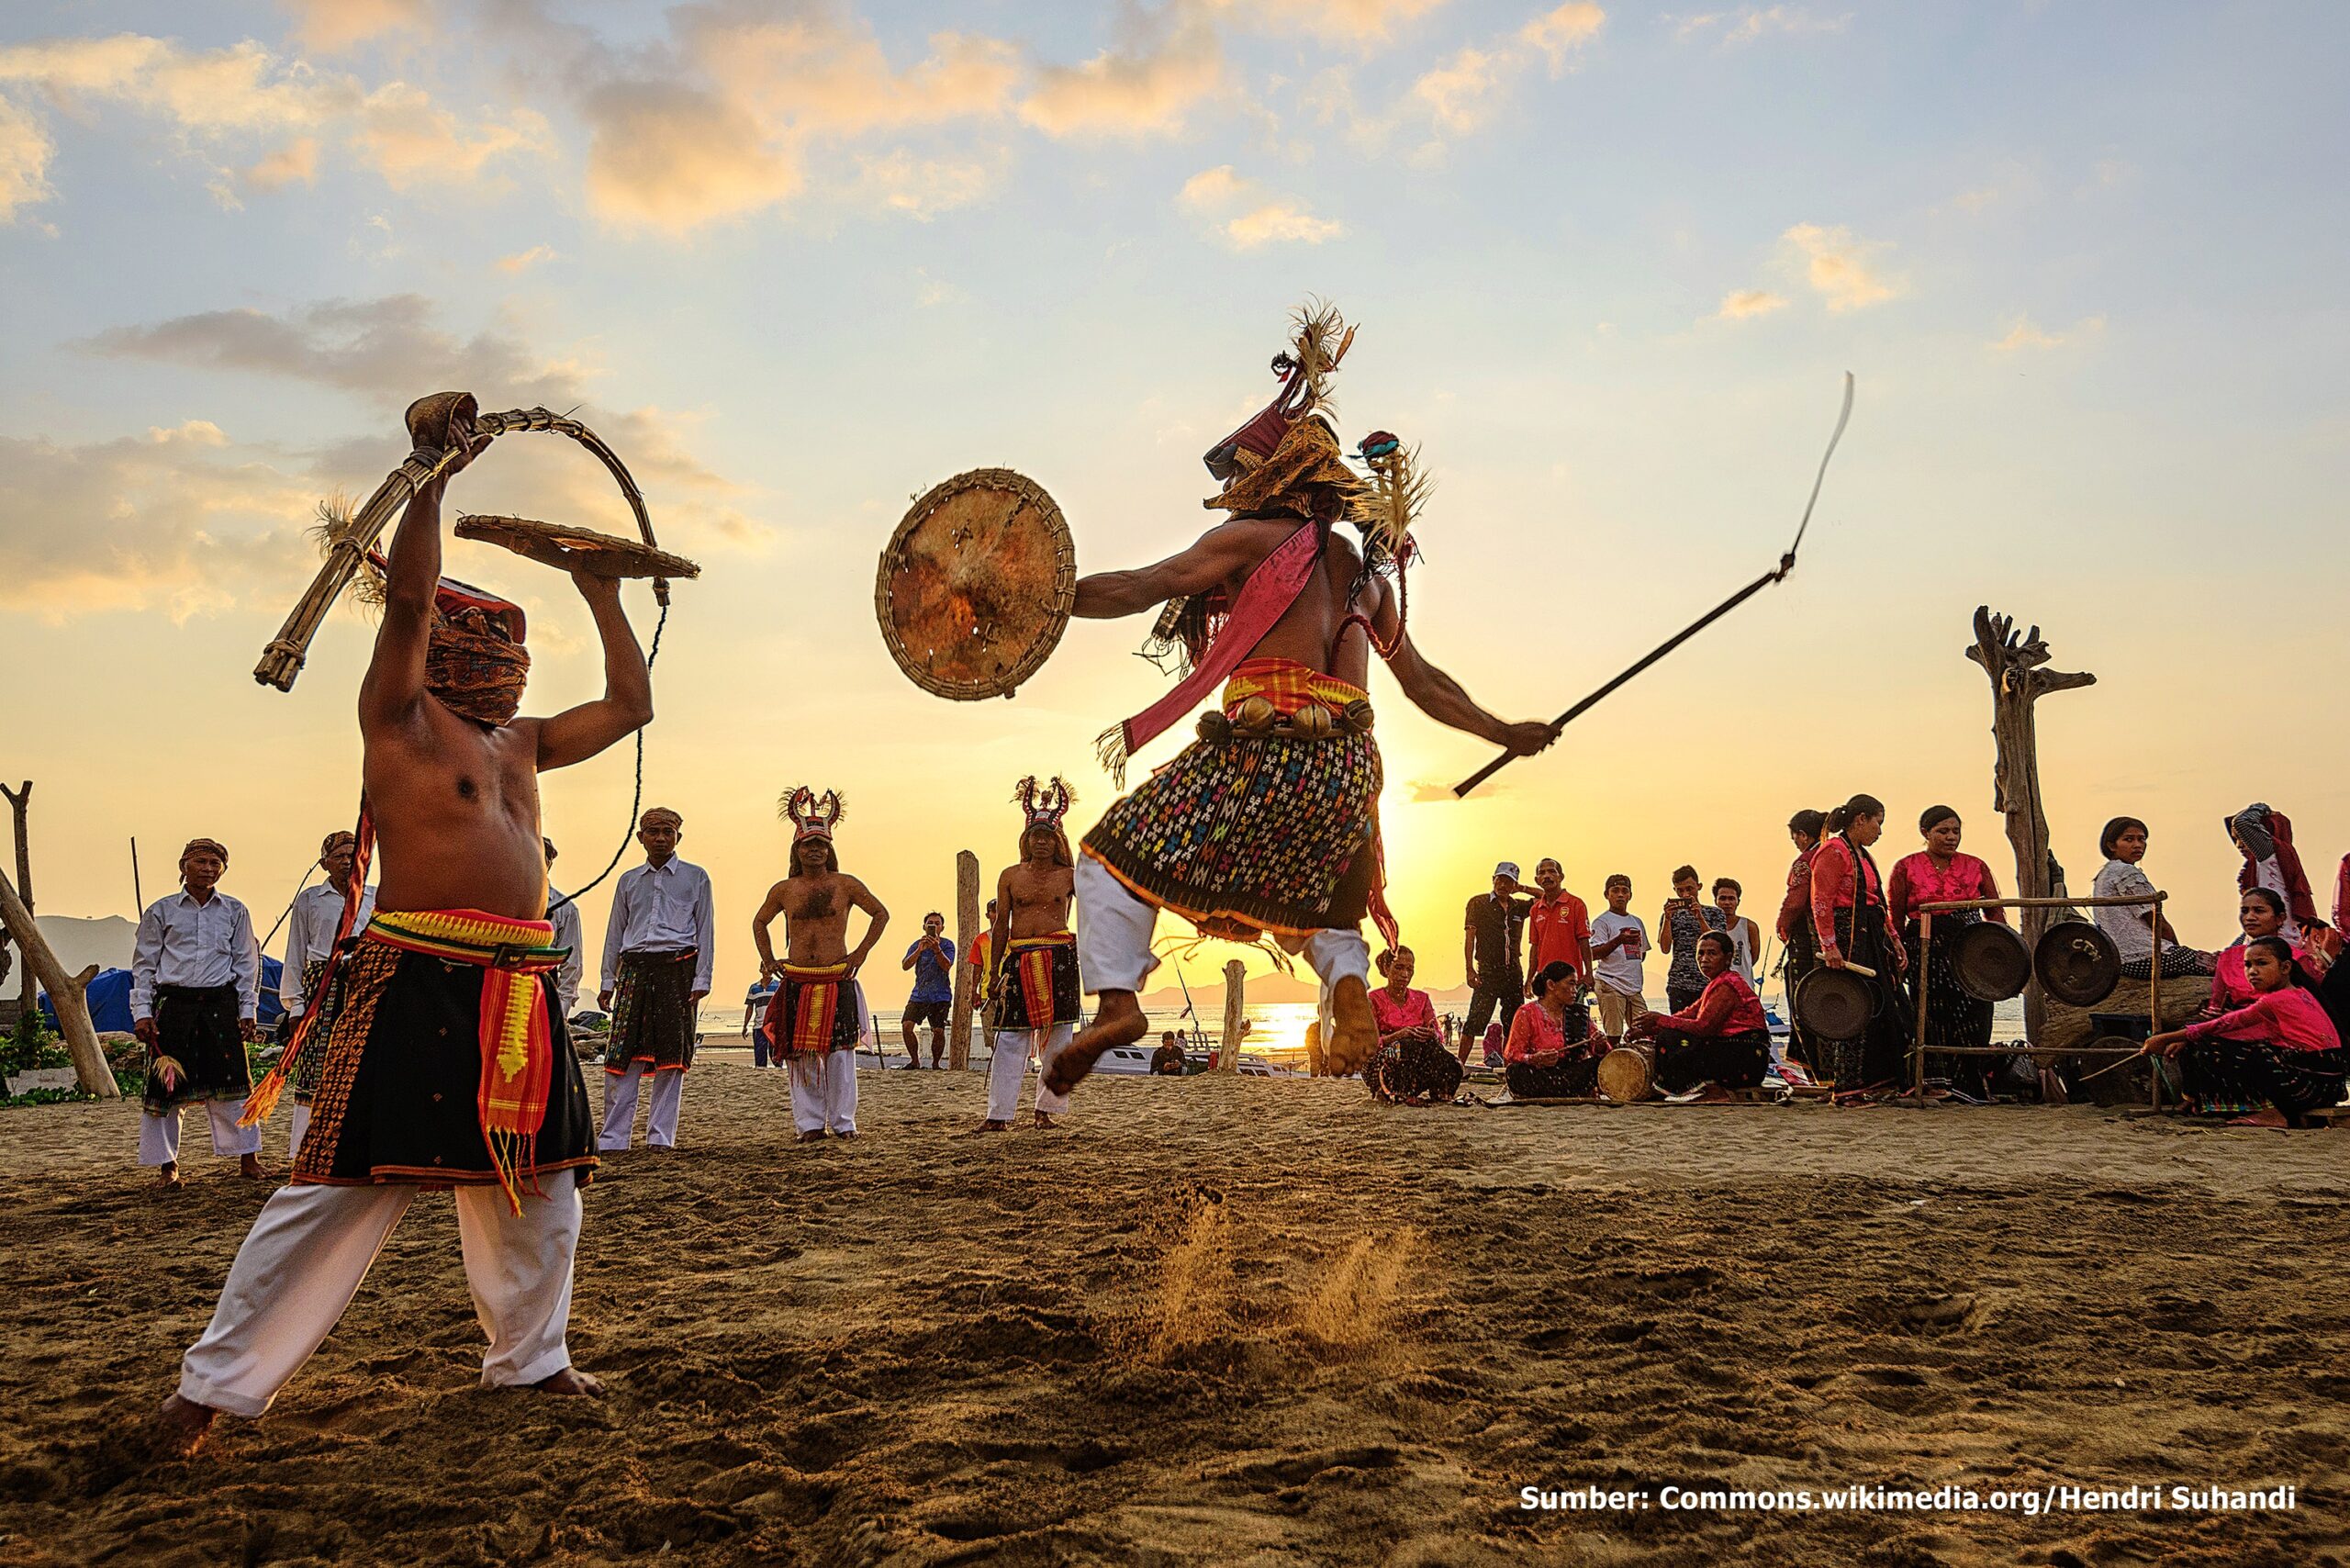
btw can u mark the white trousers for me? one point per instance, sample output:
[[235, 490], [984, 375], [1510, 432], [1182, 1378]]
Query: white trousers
[[620, 1108], [1115, 928], [1010, 1064], [824, 1092], [302, 1262], [159, 1136]]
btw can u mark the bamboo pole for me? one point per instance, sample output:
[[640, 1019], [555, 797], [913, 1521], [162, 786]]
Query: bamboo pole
[[19, 803], [1925, 977], [967, 940], [1235, 1006], [65, 991]]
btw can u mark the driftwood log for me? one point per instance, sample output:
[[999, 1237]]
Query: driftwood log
[[1235, 1015], [66, 992], [967, 943], [19, 803], [2016, 664]]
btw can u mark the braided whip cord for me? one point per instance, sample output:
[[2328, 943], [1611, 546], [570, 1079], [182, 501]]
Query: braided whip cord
[[636, 799]]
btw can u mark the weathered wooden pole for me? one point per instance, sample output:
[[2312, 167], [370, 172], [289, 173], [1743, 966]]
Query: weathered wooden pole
[[2014, 662], [20, 802], [66, 992], [1236, 1007], [968, 978]]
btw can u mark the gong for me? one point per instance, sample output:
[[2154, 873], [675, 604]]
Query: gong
[[975, 584], [1992, 962], [2077, 963], [1836, 1004]]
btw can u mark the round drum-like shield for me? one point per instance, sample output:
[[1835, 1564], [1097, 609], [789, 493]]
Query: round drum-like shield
[[1625, 1074], [2077, 963], [1835, 1004], [1992, 962], [975, 584]]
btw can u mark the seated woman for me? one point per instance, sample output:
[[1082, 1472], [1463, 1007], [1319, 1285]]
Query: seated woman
[[2141, 935], [2261, 912], [1553, 1052], [1411, 1062], [2282, 1049], [1724, 1039]]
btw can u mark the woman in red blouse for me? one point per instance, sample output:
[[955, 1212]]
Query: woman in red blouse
[[1411, 1064], [1800, 946], [1552, 1052], [2261, 912], [1848, 917], [1936, 874], [1724, 1039], [2282, 1049]]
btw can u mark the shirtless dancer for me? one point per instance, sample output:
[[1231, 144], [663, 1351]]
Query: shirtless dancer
[[406, 1099], [1267, 824], [818, 1014], [1037, 992]]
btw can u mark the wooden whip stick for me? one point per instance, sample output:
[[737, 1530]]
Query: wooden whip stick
[[432, 416], [1776, 574]]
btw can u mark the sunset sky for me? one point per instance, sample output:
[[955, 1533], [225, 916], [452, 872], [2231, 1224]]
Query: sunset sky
[[797, 262]]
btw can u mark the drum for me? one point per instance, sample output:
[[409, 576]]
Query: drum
[[574, 549], [976, 585], [1627, 1073], [1992, 962], [2077, 963], [1836, 1004]]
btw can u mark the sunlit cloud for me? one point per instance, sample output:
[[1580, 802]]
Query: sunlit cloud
[[1363, 23], [297, 162], [1247, 217], [1743, 303], [1843, 271], [1145, 86], [523, 261], [329, 26], [2024, 335], [24, 153], [1559, 34], [1750, 22], [410, 140], [1463, 93]]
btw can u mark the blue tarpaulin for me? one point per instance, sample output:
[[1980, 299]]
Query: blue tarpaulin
[[110, 1000]]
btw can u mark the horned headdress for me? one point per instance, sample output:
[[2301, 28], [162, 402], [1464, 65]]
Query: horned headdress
[[1043, 806], [813, 815]]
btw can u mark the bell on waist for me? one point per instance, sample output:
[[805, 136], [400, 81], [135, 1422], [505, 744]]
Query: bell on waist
[[1254, 717]]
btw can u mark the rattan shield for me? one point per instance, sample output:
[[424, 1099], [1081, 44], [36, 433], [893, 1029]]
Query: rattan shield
[[976, 584], [573, 549]]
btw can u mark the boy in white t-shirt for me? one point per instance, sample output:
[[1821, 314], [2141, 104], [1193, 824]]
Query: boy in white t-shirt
[[1618, 944]]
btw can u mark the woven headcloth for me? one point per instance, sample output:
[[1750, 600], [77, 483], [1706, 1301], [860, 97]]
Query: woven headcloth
[[204, 845], [340, 836], [476, 663], [1045, 806], [813, 815]]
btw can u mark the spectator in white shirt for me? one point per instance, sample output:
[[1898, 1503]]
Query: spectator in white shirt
[[311, 929], [657, 954], [563, 913], [195, 994]]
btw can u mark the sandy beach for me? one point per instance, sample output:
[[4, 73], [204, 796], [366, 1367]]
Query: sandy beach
[[1226, 1320]]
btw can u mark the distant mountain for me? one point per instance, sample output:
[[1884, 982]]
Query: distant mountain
[[1266, 991], [106, 942]]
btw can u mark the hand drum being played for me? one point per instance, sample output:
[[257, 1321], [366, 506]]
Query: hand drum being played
[[976, 584]]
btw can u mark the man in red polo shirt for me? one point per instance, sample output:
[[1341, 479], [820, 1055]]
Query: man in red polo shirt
[[1558, 926]]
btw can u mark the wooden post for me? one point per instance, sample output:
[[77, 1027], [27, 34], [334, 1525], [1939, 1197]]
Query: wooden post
[[1236, 1009], [2014, 663], [65, 991], [967, 942], [19, 802], [1918, 1060]]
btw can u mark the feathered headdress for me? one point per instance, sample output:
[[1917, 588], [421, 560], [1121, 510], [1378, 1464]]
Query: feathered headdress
[[1045, 804], [1390, 504], [812, 816], [1319, 339]]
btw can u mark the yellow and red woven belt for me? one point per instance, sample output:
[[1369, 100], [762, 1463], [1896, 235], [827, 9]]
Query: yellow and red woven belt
[[1289, 686]]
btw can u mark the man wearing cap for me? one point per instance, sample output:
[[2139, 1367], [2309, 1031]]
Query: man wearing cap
[[312, 927], [658, 950], [1491, 947], [195, 993]]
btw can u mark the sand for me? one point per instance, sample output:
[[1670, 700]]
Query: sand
[[1234, 1321]]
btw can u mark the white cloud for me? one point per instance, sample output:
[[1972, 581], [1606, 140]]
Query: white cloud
[[410, 140], [1247, 217], [24, 153], [1743, 303], [919, 187], [1460, 94], [1145, 86], [1362, 23], [1750, 22], [2023, 334], [296, 163], [1463, 93], [1843, 271], [328, 25], [1559, 34], [523, 261]]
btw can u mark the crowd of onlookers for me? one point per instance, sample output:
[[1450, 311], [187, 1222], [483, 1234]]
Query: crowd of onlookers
[[1553, 987]]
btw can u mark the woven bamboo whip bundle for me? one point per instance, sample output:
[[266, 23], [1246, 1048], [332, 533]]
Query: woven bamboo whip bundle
[[430, 422]]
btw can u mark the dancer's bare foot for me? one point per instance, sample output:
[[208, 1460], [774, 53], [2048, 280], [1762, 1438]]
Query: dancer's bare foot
[[1045, 1122], [1354, 1033], [250, 1168], [1119, 1020], [182, 1423], [815, 1136], [570, 1379], [168, 1176], [992, 1125], [2267, 1116]]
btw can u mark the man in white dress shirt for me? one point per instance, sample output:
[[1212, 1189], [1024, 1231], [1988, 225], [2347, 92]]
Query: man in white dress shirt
[[562, 912], [310, 930], [195, 993], [658, 952]]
